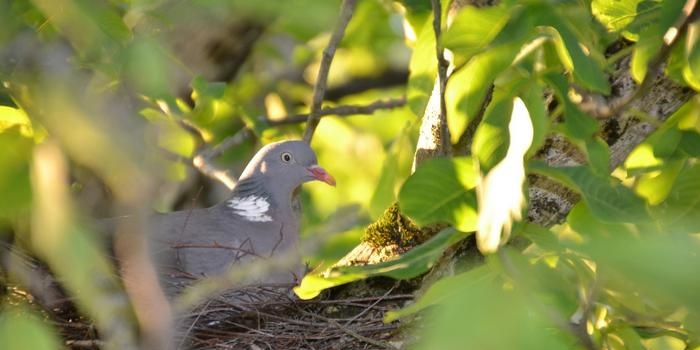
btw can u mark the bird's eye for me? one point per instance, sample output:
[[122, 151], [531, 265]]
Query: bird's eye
[[286, 157]]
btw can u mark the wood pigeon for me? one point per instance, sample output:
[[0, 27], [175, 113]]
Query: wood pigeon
[[257, 221]]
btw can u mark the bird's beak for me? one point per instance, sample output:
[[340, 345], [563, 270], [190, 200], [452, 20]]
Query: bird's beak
[[321, 174]]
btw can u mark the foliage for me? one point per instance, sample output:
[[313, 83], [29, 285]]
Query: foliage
[[100, 97]]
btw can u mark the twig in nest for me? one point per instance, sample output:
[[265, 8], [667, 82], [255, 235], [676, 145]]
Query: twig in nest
[[322, 80]]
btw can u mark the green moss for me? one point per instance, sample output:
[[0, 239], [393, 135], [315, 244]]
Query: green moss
[[395, 228]]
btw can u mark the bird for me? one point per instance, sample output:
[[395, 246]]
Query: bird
[[257, 220]]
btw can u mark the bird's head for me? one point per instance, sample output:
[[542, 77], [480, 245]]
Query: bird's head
[[287, 164]]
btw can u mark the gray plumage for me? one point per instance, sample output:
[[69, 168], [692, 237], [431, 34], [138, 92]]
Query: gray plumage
[[258, 220]]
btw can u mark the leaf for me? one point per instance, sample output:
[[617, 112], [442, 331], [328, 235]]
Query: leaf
[[15, 183], [651, 37], [467, 87], [691, 69], [655, 186], [681, 209], [441, 190], [607, 199], [443, 289], [392, 172], [22, 329], [626, 16], [422, 70], [491, 136], [473, 28], [411, 264], [586, 71], [533, 97], [10, 117]]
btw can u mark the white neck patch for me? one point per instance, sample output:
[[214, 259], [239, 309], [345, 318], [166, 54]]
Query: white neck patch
[[251, 208]]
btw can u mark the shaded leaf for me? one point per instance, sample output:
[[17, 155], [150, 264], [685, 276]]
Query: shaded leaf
[[608, 200]]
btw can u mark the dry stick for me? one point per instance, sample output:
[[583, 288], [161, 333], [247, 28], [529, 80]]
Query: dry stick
[[442, 66], [344, 110], [603, 110], [320, 88]]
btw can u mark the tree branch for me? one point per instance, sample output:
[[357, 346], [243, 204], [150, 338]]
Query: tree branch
[[320, 88], [344, 110], [442, 66], [595, 105]]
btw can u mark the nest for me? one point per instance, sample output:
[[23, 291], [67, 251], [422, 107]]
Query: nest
[[270, 317]]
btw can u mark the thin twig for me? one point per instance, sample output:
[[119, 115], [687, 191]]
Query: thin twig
[[203, 160], [442, 66], [593, 104], [322, 80], [344, 110]]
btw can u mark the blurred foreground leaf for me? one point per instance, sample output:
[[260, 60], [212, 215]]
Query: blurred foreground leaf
[[22, 329]]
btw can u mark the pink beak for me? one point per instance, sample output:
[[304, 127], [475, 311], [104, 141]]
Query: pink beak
[[321, 174]]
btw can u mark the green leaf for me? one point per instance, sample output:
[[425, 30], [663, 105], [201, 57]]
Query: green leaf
[[411, 264], [690, 143], [443, 289], [586, 71], [473, 28], [392, 173], [15, 184], [467, 87], [651, 37], [681, 209], [22, 329], [491, 138], [626, 16], [533, 97], [441, 190], [422, 70], [10, 117], [608, 200], [691, 70], [655, 186]]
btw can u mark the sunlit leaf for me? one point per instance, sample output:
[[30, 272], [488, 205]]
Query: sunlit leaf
[[626, 16], [10, 117], [473, 28], [491, 137], [441, 190], [411, 264], [691, 70], [422, 70], [651, 37]]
